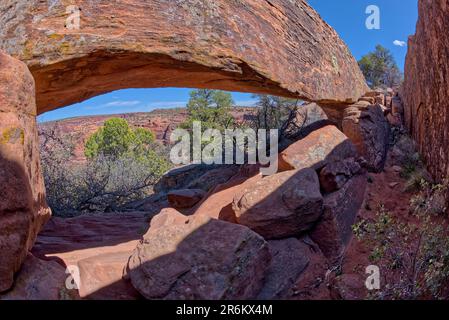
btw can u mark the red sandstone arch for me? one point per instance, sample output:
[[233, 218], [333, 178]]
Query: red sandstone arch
[[279, 47]]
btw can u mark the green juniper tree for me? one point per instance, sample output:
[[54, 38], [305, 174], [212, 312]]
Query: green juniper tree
[[380, 69], [211, 107], [122, 165]]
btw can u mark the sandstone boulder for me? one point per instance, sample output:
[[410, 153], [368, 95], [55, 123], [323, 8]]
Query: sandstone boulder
[[380, 99], [290, 257], [320, 147], [212, 178], [23, 209], [312, 284], [180, 178], [397, 108], [370, 100], [334, 230], [187, 198], [198, 257], [282, 205], [40, 280], [151, 205], [334, 175], [196, 176], [394, 121], [403, 151], [369, 130], [218, 203], [374, 93]]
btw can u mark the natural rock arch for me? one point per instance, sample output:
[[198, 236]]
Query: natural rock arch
[[279, 47]]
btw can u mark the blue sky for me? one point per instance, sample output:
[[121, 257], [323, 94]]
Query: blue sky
[[397, 21]]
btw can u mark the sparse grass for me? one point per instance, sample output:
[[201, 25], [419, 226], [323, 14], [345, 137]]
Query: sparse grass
[[413, 257], [431, 200], [415, 181], [411, 251], [411, 165], [413, 169]]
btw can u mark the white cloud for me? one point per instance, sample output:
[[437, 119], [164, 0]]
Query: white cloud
[[120, 103], [183, 104], [138, 106], [399, 43], [166, 104], [117, 103], [246, 103]]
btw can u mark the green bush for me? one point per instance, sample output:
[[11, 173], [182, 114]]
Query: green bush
[[116, 139], [122, 165]]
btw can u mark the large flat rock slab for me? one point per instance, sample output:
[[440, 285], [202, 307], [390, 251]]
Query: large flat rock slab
[[279, 47]]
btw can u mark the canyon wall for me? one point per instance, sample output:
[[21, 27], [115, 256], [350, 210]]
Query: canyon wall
[[23, 209], [426, 86]]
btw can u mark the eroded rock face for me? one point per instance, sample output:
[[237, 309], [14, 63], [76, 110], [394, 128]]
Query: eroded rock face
[[425, 91], [279, 47], [198, 257], [282, 205], [23, 209]]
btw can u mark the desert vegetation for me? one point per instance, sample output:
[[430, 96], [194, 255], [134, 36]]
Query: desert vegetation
[[412, 249], [122, 165], [415, 253]]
